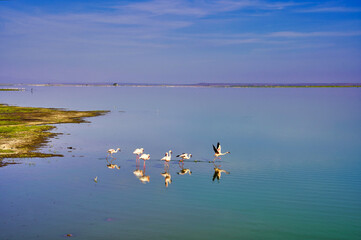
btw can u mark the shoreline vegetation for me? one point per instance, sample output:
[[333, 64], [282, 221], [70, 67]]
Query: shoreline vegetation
[[200, 85], [23, 130]]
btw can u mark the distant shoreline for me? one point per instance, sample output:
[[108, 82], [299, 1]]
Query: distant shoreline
[[197, 85]]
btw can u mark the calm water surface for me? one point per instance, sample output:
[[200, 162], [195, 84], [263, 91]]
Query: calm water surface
[[295, 166]]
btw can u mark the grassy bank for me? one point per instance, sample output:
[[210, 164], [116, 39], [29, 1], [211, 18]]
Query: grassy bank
[[24, 129]]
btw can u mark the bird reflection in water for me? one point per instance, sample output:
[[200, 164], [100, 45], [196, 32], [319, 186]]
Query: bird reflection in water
[[167, 178], [183, 170], [110, 164], [218, 172], [140, 174], [144, 179]]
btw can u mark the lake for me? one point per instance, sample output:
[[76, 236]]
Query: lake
[[294, 167]]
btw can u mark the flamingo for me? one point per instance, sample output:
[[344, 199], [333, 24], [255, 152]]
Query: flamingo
[[111, 151], [218, 152], [184, 156], [167, 157], [144, 157], [137, 152]]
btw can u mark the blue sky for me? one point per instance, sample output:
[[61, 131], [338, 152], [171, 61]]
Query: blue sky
[[163, 41]]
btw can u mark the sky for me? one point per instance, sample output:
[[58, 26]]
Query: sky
[[180, 41]]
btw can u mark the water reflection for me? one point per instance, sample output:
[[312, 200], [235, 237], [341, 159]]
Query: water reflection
[[110, 164], [218, 172], [167, 178], [183, 170], [140, 174], [144, 178]]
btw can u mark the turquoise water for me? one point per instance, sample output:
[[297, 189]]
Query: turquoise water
[[295, 166]]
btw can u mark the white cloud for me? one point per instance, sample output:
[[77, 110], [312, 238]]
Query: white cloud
[[330, 9]]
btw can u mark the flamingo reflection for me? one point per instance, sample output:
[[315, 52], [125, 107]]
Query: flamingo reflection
[[184, 171], [110, 164], [167, 178], [218, 172]]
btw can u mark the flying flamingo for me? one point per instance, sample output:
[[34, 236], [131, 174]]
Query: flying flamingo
[[137, 152], [111, 151], [218, 152]]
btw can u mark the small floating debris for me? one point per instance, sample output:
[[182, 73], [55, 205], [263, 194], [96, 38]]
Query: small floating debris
[[69, 235], [96, 179]]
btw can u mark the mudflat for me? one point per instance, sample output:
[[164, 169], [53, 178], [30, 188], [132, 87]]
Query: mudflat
[[24, 129]]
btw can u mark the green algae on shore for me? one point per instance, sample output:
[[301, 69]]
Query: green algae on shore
[[24, 129], [12, 89]]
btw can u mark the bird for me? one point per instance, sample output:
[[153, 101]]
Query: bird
[[144, 157], [218, 172], [96, 179], [167, 156], [184, 156], [137, 152], [111, 151], [184, 171], [218, 152]]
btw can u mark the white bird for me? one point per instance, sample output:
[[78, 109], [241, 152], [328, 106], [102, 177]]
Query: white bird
[[145, 157], [96, 179], [167, 157], [138, 151], [184, 156], [111, 151], [218, 152]]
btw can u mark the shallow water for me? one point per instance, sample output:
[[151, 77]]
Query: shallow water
[[295, 166]]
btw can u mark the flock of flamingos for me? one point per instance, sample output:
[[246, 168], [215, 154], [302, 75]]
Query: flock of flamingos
[[140, 155]]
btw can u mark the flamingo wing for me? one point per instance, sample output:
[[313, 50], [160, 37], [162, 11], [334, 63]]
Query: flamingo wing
[[219, 147], [215, 149]]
